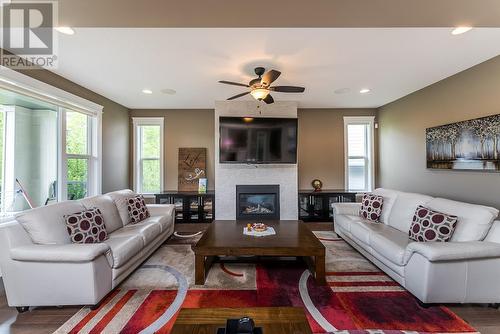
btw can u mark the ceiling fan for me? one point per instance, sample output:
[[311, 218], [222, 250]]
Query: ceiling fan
[[260, 88]]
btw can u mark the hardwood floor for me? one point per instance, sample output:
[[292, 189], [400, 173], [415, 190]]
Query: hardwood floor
[[45, 320]]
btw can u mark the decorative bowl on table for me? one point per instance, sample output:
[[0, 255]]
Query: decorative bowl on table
[[259, 227]]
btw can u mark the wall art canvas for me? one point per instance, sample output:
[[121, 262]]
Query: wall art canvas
[[467, 145], [191, 167]]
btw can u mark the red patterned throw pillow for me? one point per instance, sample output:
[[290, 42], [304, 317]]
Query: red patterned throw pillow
[[371, 207], [86, 227], [429, 225], [137, 209]]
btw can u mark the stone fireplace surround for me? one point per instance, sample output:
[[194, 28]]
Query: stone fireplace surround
[[228, 176]]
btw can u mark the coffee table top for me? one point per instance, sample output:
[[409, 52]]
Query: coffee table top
[[282, 320], [292, 238]]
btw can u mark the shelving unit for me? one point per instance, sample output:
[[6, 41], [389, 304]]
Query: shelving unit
[[190, 207], [316, 206]]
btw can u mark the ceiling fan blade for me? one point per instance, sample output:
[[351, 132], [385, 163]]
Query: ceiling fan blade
[[269, 99], [233, 83], [239, 95], [287, 89], [269, 77]]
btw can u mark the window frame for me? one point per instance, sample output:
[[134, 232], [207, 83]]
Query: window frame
[[19, 83], [137, 166], [370, 150], [94, 150]]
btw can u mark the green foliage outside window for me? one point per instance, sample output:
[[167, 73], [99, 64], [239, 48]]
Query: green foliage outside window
[[150, 158], [76, 143]]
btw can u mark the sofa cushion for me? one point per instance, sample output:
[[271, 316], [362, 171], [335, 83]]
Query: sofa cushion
[[148, 231], [166, 222], [474, 221], [124, 248], [120, 198], [389, 199], [137, 209], [494, 232], [363, 230], [46, 225], [345, 221], [360, 233], [108, 209], [430, 225], [391, 244], [404, 207], [371, 207], [86, 227]]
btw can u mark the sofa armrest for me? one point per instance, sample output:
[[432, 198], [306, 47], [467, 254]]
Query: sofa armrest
[[351, 209], [453, 251], [59, 253], [161, 209]]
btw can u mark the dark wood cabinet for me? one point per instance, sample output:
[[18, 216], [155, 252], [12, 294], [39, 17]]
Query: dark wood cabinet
[[317, 206], [190, 207]]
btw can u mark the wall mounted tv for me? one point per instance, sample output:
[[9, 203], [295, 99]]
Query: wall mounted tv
[[258, 140]]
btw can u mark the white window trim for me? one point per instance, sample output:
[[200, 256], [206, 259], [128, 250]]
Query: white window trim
[[93, 156], [370, 120], [25, 85], [138, 121]]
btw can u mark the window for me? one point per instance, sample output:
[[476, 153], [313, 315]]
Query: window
[[49, 144], [80, 154], [358, 142], [148, 154]]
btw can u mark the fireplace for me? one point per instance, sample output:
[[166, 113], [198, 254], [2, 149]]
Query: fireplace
[[257, 202]]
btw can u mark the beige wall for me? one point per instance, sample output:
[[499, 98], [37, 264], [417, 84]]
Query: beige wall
[[184, 128], [467, 95], [321, 142], [115, 130], [321, 145]]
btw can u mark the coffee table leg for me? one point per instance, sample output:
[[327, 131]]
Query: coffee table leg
[[319, 268], [199, 269]]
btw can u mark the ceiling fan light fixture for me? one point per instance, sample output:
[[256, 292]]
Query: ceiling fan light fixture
[[260, 93]]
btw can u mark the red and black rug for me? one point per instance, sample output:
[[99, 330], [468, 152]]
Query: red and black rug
[[359, 298]]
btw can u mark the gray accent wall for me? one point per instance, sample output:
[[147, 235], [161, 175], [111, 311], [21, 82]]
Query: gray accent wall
[[402, 160]]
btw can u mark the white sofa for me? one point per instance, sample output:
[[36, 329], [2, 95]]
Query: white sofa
[[464, 270], [41, 267]]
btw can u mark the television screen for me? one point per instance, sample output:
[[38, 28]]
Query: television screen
[[258, 140]]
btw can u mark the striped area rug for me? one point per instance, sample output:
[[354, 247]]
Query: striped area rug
[[358, 299]]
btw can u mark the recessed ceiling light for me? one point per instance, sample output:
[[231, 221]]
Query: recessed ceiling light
[[147, 91], [460, 30], [168, 91], [65, 30], [342, 90], [365, 90]]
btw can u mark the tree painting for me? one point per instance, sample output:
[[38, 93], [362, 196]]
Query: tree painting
[[467, 145]]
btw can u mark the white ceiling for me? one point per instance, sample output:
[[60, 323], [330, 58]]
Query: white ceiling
[[393, 62]]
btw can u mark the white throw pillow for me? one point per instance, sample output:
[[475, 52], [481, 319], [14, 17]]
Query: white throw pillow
[[404, 207], [120, 198], [46, 225], [109, 212], [474, 221]]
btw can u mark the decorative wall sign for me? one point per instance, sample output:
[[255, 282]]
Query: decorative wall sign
[[467, 145], [192, 167]]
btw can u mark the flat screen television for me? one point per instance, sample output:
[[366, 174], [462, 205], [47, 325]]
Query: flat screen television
[[258, 140]]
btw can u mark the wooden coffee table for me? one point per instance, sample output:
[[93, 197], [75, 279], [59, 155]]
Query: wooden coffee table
[[226, 238], [274, 320]]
